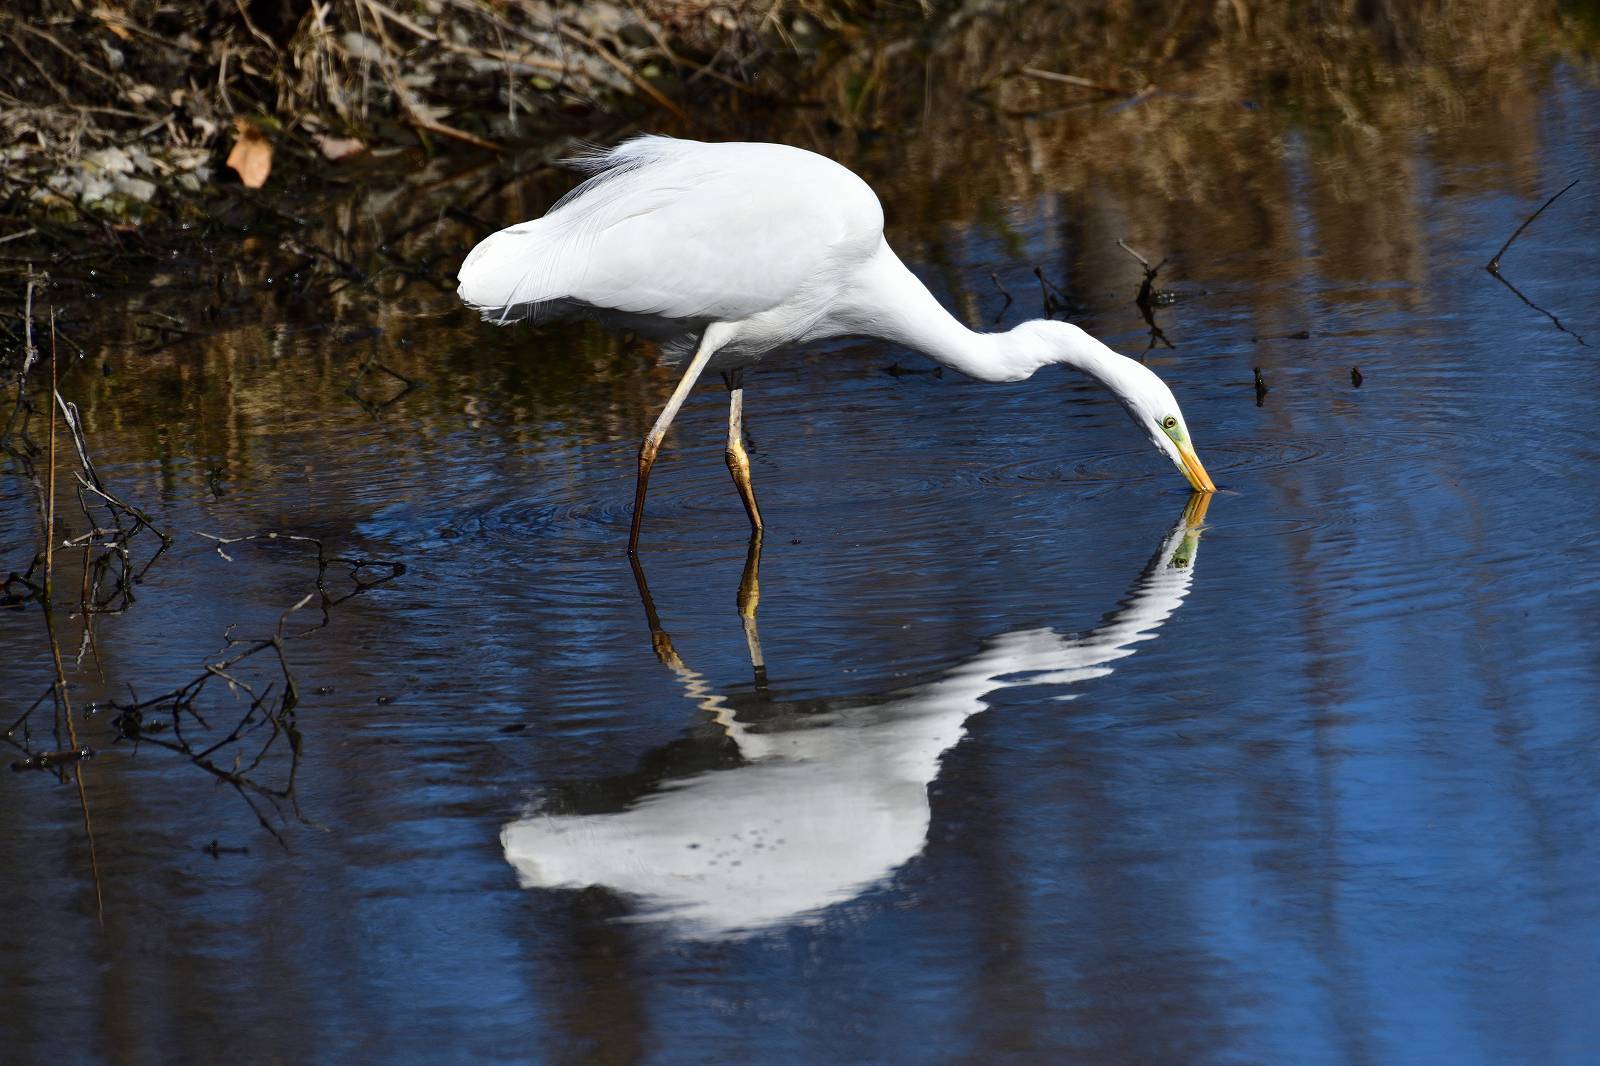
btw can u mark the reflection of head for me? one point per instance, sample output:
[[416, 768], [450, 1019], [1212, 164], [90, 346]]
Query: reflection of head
[[824, 810]]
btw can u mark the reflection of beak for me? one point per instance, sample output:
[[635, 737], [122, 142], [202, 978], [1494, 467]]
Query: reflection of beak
[[1194, 515], [1195, 512], [1198, 478]]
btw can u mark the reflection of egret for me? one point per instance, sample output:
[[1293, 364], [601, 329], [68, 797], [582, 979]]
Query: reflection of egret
[[732, 251], [824, 809]]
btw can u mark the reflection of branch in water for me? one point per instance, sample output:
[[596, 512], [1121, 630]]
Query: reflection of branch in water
[[375, 407], [998, 315], [176, 720], [180, 720], [1493, 265], [271, 705], [1048, 291], [1147, 299], [1501, 278], [108, 541], [827, 799]]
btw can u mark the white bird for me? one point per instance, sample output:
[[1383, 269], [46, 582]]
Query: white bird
[[732, 251]]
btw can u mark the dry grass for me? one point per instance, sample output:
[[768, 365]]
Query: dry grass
[[174, 80]]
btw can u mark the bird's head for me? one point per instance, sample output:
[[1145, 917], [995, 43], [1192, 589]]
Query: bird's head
[[1143, 395], [1155, 411]]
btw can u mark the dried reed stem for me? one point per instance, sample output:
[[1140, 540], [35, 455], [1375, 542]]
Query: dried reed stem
[[62, 696]]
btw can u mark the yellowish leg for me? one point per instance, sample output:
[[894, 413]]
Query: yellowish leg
[[714, 338], [738, 459]]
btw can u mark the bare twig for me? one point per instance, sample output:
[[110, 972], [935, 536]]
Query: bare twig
[[62, 695], [1073, 79], [598, 49], [1493, 266]]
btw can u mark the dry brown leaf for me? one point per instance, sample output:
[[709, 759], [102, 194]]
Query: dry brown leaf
[[112, 19], [251, 157], [337, 148]]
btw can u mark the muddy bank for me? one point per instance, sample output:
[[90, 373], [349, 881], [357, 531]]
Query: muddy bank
[[123, 121]]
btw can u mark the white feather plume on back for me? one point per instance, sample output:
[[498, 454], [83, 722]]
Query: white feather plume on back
[[668, 235]]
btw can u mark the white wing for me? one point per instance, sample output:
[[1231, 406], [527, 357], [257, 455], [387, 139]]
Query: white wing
[[682, 230]]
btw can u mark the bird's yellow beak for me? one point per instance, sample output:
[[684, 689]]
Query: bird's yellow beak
[[1196, 473]]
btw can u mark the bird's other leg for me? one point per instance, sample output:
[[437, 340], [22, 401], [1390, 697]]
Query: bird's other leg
[[749, 599], [715, 336], [738, 459]]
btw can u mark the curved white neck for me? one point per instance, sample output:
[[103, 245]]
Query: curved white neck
[[890, 302]]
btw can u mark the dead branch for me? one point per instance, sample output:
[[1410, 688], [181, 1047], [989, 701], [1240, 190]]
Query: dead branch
[[1493, 266], [1073, 79]]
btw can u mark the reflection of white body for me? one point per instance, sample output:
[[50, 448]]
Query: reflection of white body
[[820, 813]]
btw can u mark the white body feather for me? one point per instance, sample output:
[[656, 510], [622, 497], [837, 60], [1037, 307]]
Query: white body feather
[[773, 246], [671, 235]]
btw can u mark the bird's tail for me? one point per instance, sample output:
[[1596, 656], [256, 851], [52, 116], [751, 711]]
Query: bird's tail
[[534, 270], [511, 275]]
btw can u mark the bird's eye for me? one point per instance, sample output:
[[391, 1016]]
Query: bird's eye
[[1170, 422]]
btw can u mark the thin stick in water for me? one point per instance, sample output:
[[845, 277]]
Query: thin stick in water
[[1493, 266], [50, 625]]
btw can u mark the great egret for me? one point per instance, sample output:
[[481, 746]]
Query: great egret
[[731, 251]]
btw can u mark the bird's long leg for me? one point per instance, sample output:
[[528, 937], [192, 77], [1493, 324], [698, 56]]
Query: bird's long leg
[[713, 339], [738, 459], [749, 599]]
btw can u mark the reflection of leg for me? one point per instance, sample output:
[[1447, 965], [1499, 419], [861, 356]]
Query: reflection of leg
[[660, 639], [749, 598], [738, 460], [709, 343]]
